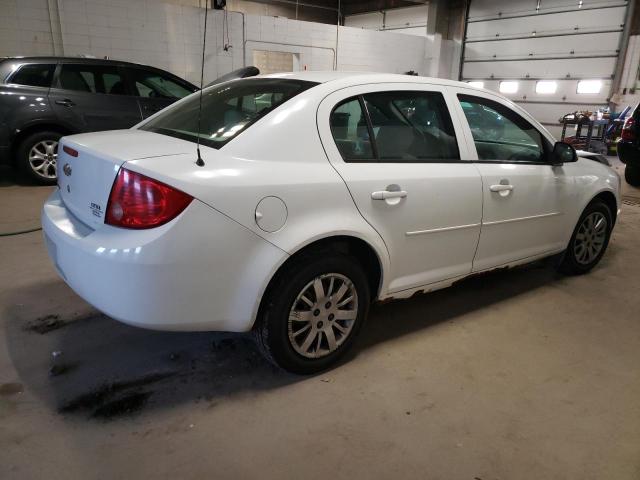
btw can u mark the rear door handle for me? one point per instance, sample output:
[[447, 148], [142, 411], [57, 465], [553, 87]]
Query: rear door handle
[[386, 194], [501, 188], [65, 103]]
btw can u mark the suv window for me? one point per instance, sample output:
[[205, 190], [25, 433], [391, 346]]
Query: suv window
[[499, 133], [152, 84], [350, 131], [92, 79], [411, 126], [34, 75], [227, 109]]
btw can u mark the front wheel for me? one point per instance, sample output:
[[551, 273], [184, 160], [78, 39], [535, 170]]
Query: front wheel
[[313, 313], [589, 240]]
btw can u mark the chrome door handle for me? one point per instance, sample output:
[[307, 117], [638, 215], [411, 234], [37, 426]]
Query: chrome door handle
[[386, 194], [501, 188], [65, 103]]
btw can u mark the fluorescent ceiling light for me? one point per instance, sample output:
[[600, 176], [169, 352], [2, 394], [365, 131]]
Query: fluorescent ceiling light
[[589, 86], [476, 84], [508, 87], [546, 86]]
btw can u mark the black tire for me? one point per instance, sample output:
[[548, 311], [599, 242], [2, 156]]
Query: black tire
[[632, 175], [24, 149], [272, 329], [571, 263]]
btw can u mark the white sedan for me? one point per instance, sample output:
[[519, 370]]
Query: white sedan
[[317, 194]]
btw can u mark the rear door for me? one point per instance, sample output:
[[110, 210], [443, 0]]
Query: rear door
[[93, 97], [397, 149], [525, 198], [155, 90]]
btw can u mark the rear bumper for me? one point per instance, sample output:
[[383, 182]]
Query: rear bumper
[[201, 271]]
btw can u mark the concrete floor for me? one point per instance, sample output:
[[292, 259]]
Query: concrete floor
[[519, 375]]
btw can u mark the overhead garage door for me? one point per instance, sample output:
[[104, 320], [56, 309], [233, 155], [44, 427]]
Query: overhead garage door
[[550, 56]]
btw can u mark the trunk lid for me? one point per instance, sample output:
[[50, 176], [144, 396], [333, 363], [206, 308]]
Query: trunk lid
[[85, 180]]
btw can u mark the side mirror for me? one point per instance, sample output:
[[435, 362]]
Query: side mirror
[[563, 153]]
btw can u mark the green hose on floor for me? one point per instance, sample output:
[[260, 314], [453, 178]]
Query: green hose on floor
[[20, 232]]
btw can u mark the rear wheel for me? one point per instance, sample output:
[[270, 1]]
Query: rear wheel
[[313, 313], [37, 156], [632, 175], [589, 240]]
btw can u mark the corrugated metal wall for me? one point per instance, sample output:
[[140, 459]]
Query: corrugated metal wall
[[527, 41]]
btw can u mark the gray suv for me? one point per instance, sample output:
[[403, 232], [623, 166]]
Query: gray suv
[[45, 98]]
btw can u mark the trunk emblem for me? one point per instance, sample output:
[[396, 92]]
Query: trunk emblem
[[67, 169]]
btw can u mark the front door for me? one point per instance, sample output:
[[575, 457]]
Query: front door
[[91, 98], [398, 152], [525, 198]]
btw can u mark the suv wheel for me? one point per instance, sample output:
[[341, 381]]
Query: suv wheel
[[313, 313], [632, 175], [38, 155], [589, 240]]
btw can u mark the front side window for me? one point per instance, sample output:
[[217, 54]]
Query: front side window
[[92, 79], [151, 84], [499, 133], [227, 109], [35, 75]]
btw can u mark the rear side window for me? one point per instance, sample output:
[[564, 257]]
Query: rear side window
[[92, 79], [151, 84], [227, 109], [501, 134], [350, 131], [396, 127], [35, 75], [411, 126]]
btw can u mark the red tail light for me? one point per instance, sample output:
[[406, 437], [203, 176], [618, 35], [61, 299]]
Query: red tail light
[[137, 201], [628, 133]]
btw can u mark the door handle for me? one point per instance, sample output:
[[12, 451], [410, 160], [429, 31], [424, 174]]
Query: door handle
[[386, 194], [65, 103], [501, 188]]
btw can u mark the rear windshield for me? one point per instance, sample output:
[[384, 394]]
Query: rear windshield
[[227, 109]]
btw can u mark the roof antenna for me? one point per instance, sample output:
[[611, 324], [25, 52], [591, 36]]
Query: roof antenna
[[199, 161]]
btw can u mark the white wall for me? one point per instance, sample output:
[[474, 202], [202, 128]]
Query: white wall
[[410, 20], [169, 36]]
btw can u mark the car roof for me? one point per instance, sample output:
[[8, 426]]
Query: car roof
[[361, 77], [84, 60]]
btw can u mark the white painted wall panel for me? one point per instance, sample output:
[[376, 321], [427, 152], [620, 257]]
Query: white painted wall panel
[[372, 21], [406, 17], [410, 20]]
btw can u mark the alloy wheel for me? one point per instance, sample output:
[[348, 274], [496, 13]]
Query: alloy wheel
[[590, 238], [43, 157], [323, 315]]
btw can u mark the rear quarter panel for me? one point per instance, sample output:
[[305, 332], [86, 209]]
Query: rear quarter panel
[[280, 156]]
